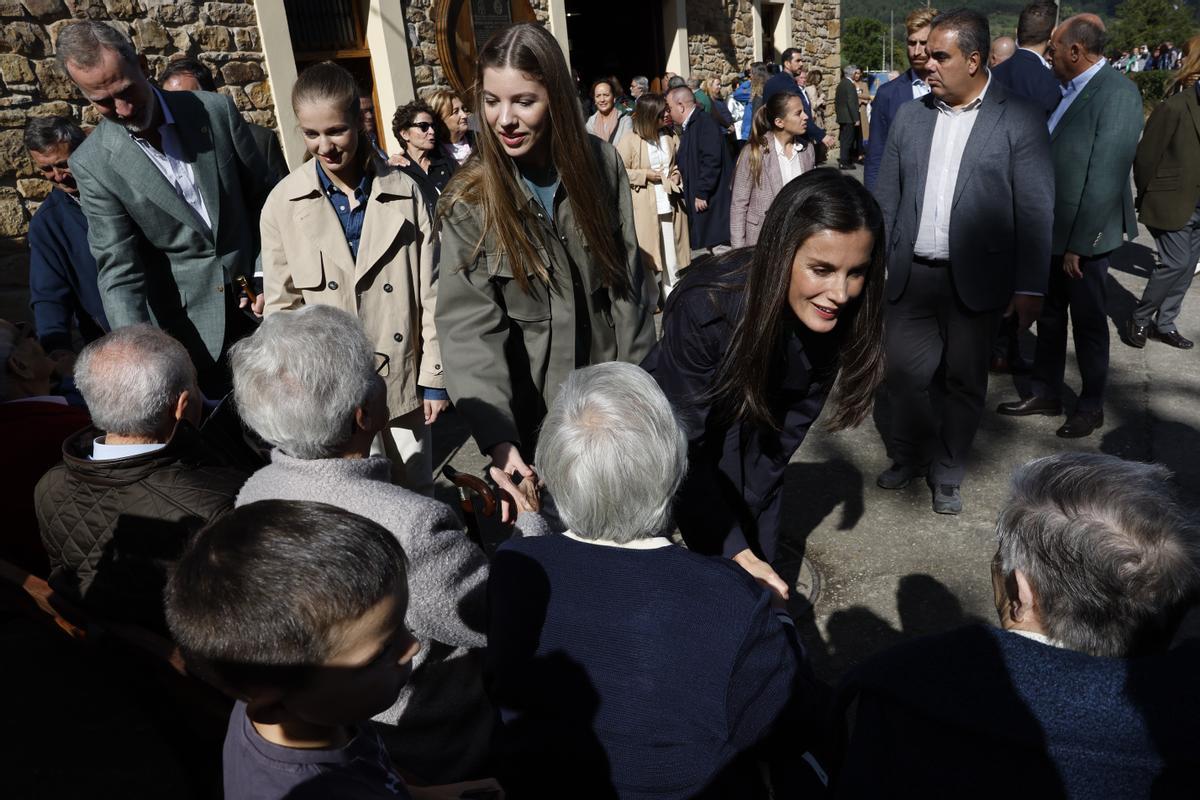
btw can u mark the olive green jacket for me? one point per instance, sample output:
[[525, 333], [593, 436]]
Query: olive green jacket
[[506, 351], [1167, 168], [1092, 147]]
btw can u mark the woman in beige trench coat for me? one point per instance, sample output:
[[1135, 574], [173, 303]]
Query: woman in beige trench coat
[[344, 229], [659, 219]]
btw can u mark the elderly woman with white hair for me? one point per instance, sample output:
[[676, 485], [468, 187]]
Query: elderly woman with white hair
[[619, 661], [306, 383]]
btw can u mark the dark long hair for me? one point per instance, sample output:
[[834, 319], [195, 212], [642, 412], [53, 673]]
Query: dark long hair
[[820, 200], [489, 183]]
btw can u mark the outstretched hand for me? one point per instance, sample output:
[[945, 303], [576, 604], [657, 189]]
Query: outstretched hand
[[762, 572]]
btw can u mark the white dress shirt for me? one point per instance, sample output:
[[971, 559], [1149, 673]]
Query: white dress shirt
[[1041, 57], [660, 162], [950, 135], [1072, 90], [651, 543], [171, 163], [788, 167], [919, 88]]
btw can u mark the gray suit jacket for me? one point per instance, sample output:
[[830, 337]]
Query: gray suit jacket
[[1003, 207], [157, 262]]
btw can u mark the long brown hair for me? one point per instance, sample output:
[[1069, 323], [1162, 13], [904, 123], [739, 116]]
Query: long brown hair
[[1189, 67], [647, 116], [819, 200], [327, 82], [762, 127], [489, 181]]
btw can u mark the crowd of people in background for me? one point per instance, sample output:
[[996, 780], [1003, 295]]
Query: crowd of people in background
[[639, 304], [1165, 56]]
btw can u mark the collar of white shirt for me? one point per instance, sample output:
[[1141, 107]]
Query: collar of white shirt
[[108, 452], [797, 146], [1041, 57], [688, 118], [1038, 637], [1076, 84], [168, 117], [653, 543]]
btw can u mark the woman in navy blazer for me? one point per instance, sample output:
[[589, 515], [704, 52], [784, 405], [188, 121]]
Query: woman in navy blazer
[[749, 385]]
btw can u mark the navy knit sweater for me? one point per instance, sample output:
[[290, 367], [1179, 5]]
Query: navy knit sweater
[[627, 673]]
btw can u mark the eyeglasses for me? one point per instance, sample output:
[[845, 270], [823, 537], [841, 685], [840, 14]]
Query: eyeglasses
[[382, 360], [423, 127]]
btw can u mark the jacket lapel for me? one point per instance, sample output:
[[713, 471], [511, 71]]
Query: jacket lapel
[[923, 135], [1193, 107], [387, 221], [1093, 86], [146, 183], [196, 138], [316, 217], [989, 113]]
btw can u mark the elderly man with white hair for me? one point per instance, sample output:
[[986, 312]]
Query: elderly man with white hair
[[132, 490], [1076, 694], [624, 665], [306, 383]]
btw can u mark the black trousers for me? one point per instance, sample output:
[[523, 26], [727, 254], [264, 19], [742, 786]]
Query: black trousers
[[1082, 302], [846, 140], [927, 328]]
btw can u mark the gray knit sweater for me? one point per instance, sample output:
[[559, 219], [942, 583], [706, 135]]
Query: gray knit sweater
[[439, 727]]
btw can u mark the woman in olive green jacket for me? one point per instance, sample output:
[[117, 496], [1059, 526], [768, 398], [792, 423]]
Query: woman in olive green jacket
[[539, 271]]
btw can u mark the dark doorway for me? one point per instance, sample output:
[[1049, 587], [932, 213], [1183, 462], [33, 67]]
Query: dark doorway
[[616, 37], [770, 21]]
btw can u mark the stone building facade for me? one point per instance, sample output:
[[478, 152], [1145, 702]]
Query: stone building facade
[[249, 46]]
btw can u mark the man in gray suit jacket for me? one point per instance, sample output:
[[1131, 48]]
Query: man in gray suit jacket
[[968, 211], [172, 186], [1094, 133]]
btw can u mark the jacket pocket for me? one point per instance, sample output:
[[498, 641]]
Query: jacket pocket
[[308, 274], [522, 305]]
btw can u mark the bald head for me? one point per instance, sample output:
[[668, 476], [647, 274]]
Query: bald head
[[1076, 44], [1002, 49], [680, 101]]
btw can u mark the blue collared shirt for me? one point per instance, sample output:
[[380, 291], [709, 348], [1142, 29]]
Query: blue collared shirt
[[351, 219], [1072, 90]]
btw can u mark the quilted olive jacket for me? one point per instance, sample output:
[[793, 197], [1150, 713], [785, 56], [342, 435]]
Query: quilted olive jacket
[[113, 528]]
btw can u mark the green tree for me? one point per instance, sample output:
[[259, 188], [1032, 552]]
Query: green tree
[[863, 41], [1152, 22]]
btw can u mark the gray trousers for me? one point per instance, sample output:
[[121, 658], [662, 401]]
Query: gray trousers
[[1178, 252]]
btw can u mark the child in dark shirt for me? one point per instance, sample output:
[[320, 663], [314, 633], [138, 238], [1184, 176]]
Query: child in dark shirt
[[298, 610]]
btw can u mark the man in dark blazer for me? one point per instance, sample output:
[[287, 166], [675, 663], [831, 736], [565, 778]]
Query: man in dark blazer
[[172, 186], [1166, 172], [62, 272], [909, 85], [707, 172], [1028, 73], [1094, 134], [845, 104], [968, 212], [791, 68]]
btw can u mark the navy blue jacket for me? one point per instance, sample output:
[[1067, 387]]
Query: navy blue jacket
[[731, 498], [623, 673], [62, 274], [1028, 76], [981, 712], [888, 99], [707, 171], [784, 82]]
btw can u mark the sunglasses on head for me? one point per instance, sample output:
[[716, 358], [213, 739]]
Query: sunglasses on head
[[423, 127]]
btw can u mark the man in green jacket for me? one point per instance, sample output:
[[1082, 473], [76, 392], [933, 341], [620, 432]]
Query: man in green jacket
[[1093, 136], [172, 186], [1167, 174]]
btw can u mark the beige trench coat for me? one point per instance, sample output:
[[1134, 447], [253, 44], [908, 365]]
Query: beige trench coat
[[635, 153], [391, 286]]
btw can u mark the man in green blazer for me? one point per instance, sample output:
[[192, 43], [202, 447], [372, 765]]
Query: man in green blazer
[[1167, 174], [1093, 136], [172, 186]]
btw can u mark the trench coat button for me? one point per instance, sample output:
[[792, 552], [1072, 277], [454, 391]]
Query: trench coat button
[[399, 337], [437, 366], [220, 289], [387, 287], [333, 285]]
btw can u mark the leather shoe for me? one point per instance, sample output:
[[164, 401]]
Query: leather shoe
[[898, 475], [845, 166], [1135, 334], [1081, 424], [1030, 406], [1172, 338], [946, 499]]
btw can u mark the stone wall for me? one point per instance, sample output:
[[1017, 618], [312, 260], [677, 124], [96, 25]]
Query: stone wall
[[223, 35], [720, 39], [817, 29]]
